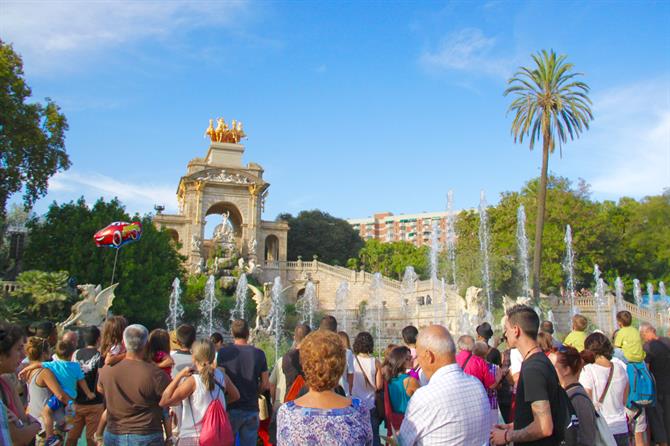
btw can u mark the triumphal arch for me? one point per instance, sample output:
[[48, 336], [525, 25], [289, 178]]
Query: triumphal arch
[[220, 184]]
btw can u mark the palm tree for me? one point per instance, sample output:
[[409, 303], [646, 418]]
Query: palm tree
[[549, 103]]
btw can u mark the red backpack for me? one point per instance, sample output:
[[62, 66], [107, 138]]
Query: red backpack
[[216, 429]]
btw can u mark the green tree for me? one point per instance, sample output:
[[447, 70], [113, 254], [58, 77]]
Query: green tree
[[549, 104], [63, 241], [32, 136], [391, 259], [315, 232]]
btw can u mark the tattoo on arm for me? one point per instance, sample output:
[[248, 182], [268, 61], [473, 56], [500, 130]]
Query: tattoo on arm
[[534, 431]]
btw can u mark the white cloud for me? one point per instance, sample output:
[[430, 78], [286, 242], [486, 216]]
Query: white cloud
[[467, 49], [631, 133], [136, 197], [58, 33]]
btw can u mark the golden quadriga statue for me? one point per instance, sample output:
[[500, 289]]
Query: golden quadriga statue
[[223, 133]]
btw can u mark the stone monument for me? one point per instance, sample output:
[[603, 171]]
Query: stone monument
[[220, 184]]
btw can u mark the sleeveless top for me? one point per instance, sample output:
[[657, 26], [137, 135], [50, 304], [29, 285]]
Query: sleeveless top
[[38, 397], [194, 407], [397, 393], [361, 389]]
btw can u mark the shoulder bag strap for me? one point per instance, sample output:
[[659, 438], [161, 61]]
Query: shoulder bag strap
[[367, 380], [607, 386], [467, 360]]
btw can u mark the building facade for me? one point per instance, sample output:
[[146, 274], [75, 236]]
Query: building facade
[[414, 228]]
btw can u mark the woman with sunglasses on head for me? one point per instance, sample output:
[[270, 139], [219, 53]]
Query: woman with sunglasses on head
[[568, 364], [15, 427]]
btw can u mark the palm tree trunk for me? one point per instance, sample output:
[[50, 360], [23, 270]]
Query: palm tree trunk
[[539, 225]]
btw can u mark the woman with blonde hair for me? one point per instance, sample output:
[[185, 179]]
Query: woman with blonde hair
[[198, 387], [321, 416]]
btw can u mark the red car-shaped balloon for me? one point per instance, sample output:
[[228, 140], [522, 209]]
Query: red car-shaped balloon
[[118, 234]]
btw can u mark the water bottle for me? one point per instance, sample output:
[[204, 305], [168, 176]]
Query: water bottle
[[69, 416]]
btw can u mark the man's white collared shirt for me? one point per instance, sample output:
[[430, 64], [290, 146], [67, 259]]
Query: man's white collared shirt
[[452, 409]]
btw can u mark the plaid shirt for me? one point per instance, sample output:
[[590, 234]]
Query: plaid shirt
[[453, 409]]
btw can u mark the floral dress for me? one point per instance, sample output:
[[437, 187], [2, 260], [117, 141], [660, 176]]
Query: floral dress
[[349, 426]]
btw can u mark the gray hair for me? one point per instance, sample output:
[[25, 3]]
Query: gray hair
[[466, 342], [437, 339], [135, 337], [646, 326]]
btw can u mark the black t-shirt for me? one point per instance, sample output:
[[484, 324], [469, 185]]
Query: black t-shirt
[[243, 365], [90, 360], [658, 358], [537, 381]]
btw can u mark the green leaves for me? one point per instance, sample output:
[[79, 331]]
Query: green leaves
[[315, 232], [32, 135]]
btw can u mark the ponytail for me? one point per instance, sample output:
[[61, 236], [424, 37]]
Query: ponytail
[[203, 355]]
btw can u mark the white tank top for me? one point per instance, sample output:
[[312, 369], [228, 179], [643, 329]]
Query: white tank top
[[194, 407], [361, 389]]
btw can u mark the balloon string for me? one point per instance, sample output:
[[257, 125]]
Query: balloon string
[[116, 256]]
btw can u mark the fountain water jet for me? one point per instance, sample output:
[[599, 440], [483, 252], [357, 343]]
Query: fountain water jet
[[569, 268], [207, 306], [445, 303], [522, 248], [377, 305], [434, 250], [599, 298], [341, 296], [484, 242], [650, 295], [451, 237], [308, 305], [175, 306], [637, 292], [276, 316], [239, 311], [407, 286]]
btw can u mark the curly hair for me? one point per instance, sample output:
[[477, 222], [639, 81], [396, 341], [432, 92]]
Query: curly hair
[[323, 358], [364, 343]]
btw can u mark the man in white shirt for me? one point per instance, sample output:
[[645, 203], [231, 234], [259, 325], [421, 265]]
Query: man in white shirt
[[452, 408]]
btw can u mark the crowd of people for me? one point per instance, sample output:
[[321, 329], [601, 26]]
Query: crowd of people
[[124, 385]]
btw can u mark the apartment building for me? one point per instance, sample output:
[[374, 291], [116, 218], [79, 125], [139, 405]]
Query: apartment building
[[415, 228]]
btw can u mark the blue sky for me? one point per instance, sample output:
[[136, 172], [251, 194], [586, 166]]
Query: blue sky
[[351, 107]]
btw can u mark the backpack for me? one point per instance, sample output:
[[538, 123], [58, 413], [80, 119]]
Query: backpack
[[642, 393], [568, 422], [216, 429], [604, 436]]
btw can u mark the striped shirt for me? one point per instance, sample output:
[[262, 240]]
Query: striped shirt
[[453, 409]]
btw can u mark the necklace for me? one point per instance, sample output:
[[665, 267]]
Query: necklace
[[529, 352]]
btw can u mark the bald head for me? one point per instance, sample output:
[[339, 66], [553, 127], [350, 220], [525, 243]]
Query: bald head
[[435, 348], [72, 337]]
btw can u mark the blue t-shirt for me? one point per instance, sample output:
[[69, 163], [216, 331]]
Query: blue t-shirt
[[67, 373]]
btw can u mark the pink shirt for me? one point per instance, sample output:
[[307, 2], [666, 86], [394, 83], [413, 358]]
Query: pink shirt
[[476, 367]]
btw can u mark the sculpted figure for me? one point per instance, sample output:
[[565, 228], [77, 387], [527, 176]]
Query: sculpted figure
[[210, 131], [195, 243], [93, 308], [221, 127]]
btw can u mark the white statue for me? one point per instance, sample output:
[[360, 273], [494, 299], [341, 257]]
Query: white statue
[[263, 304], [240, 263], [223, 233], [195, 243], [94, 307], [251, 267], [252, 246]]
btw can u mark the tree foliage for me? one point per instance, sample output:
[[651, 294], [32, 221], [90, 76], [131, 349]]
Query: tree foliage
[[32, 135], [315, 232], [391, 259], [42, 295], [63, 241], [630, 239]]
